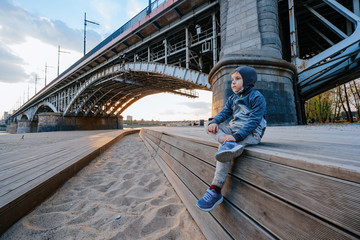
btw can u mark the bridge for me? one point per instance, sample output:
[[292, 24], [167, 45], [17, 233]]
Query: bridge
[[299, 48]]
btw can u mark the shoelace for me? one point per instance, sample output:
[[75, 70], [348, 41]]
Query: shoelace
[[207, 195]]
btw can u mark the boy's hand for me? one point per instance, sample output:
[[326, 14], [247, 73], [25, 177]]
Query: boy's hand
[[213, 128], [228, 138]]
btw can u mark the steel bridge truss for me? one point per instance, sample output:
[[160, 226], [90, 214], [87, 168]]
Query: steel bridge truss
[[325, 43], [112, 90], [172, 52]]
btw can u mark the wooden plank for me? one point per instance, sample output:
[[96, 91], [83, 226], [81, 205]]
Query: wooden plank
[[36, 168], [75, 156], [297, 139], [27, 164], [208, 225], [150, 149], [154, 139], [333, 169], [279, 217], [298, 224], [13, 209], [335, 200], [48, 172], [154, 134], [199, 150], [226, 214], [203, 170], [33, 157], [34, 173], [149, 144], [143, 135]]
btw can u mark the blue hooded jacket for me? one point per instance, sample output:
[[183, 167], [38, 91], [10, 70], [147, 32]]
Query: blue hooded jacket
[[246, 107]]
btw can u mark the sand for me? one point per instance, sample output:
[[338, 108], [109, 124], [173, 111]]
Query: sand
[[123, 182]]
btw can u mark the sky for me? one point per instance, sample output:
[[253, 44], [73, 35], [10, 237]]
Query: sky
[[32, 31]]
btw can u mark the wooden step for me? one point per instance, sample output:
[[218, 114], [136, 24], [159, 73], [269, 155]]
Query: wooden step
[[29, 177], [266, 195]]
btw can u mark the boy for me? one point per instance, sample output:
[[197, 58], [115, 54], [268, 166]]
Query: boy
[[247, 126]]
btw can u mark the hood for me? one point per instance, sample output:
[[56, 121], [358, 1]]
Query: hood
[[248, 75]]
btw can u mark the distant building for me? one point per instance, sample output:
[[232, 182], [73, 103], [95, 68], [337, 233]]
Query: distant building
[[6, 115], [129, 118]]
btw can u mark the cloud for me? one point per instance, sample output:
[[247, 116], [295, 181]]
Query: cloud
[[198, 105], [134, 8], [168, 112], [10, 67], [17, 24]]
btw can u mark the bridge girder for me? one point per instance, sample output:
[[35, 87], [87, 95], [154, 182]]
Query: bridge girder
[[112, 90]]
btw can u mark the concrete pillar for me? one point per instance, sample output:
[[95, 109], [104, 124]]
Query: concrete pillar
[[250, 36], [26, 126], [12, 127], [49, 122], [120, 122]]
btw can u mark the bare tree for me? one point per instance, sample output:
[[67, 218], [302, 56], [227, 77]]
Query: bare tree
[[348, 103], [336, 103], [342, 103], [355, 96]]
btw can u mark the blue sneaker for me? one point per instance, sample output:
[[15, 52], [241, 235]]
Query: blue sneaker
[[209, 200], [228, 151]]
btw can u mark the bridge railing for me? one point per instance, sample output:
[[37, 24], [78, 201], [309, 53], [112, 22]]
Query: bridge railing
[[155, 4]]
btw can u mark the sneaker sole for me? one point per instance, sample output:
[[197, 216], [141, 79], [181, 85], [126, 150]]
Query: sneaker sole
[[215, 204], [227, 156]]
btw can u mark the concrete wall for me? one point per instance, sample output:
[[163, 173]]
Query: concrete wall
[[49, 122], [26, 126], [12, 127], [250, 36]]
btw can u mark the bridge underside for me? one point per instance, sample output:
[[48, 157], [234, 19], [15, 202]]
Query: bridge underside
[[324, 42], [112, 94]]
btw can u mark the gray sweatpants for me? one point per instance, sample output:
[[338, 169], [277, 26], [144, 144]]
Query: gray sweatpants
[[223, 168]]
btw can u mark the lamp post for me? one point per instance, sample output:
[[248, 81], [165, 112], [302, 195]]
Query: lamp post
[[85, 23], [36, 80], [46, 67], [59, 51]]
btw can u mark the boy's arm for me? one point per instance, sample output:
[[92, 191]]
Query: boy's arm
[[256, 114], [225, 113]]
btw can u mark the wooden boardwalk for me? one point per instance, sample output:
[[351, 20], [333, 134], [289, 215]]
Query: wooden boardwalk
[[30, 175], [301, 182]]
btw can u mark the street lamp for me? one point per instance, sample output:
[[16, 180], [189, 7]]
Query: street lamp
[[59, 58], [85, 23], [36, 80], [46, 67]]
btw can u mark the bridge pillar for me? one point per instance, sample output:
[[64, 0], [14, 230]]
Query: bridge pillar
[[12, 127], [250, 36], [49, 122], [26, 126]]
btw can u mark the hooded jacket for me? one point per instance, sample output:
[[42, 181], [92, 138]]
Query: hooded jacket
[[247, 107]]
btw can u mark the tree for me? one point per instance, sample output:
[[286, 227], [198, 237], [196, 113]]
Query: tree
[[350, 119], [342, 102], [319, 107], [336, 103], [355, 96]]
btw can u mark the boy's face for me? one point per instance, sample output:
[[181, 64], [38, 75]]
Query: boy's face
[[236, 82]]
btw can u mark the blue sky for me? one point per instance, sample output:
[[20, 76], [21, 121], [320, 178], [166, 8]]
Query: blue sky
[[31, 31]]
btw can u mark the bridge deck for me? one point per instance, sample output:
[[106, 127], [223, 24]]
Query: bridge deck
[[29, 174], [301, 181]]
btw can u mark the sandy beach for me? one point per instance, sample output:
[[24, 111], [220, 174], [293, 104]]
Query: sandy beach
[[122, 194]]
